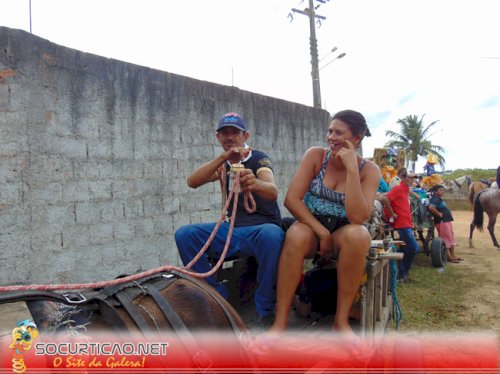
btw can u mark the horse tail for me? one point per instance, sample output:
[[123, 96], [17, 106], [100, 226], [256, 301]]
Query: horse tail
[[478, 213]]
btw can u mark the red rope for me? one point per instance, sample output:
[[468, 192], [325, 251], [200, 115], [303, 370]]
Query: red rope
[[185, 270]]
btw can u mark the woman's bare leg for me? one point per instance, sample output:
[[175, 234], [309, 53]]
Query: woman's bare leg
[[353, 242], [299, 241]]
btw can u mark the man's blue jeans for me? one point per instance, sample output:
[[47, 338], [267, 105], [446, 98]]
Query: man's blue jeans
[[262, 241], [410, 250]]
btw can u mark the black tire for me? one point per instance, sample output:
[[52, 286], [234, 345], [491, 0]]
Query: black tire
[[427, 240], [439, 257]]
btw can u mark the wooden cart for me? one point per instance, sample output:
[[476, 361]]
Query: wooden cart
[[371, 311], [423, 222]]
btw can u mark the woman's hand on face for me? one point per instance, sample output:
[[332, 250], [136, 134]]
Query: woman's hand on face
[[348, 155]]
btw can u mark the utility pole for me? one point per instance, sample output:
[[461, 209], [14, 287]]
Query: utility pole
[[314, 50], [31, 31]]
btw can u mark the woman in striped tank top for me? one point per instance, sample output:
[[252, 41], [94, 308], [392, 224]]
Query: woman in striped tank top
[[331, 195]]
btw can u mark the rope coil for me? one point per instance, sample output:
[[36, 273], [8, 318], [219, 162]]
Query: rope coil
[[397, 313]]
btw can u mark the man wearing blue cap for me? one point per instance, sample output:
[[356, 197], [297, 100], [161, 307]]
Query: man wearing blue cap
[[256, 234]]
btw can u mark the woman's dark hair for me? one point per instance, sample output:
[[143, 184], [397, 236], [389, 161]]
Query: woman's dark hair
[[498, 177], [355, 121]]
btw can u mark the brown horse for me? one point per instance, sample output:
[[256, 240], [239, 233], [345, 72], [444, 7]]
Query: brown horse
[[474, 189], [167, 307], [166, 301], [487, 201]]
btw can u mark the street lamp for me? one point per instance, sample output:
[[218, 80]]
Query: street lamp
[[341, 55], [328, 54], [336, 58]]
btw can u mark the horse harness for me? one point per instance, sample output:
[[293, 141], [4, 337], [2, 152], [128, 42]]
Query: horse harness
[[486, 182], [106, 301]]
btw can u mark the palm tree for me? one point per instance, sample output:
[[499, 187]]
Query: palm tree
[[414, 139]]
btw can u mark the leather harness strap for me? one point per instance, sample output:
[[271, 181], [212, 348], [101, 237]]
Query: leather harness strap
[[170, 314], [127, 294], [111, 316], [199, 356], [77, 298], [33, 295], [128, 304]]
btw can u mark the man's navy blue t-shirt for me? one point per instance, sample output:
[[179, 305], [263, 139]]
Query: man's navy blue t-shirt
[[267, 211]]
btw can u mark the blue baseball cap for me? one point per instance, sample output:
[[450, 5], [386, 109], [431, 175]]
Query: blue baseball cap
[[231, 119]]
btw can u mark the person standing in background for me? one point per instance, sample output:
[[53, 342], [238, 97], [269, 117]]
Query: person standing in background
[[399, 198], [442, 221]]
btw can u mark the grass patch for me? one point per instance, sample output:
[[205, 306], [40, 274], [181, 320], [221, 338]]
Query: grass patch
[[458, 204], [433, 300]]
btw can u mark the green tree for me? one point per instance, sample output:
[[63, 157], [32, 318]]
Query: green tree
[[414, 139]]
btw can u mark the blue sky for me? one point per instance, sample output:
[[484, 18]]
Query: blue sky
[[438, 58]]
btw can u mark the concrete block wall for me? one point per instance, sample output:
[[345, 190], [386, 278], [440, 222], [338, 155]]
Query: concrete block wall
[[94, 156]]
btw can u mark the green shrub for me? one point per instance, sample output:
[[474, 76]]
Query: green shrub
[[476, 174]]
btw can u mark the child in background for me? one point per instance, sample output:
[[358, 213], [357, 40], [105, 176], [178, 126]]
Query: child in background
[[442, 222]]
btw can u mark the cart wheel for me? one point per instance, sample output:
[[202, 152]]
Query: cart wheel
[[428, 238], [438, 253]]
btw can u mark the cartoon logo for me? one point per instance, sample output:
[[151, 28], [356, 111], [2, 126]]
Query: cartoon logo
[[22, 340]]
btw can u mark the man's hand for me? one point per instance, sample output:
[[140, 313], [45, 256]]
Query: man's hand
[[248, 181], [348, 156], [236, 154]]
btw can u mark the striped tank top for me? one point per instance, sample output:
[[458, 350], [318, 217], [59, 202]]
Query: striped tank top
[[324, 201]]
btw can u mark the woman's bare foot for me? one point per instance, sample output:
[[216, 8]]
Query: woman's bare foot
[[276, 329], [343, 329]]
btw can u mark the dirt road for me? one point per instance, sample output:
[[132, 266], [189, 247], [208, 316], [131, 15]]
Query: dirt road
[[482, 301]]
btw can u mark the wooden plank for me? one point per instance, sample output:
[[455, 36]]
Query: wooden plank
[[363, 311], [374, 267], [381, 325], [377, 303], [370, 290], [385, 282]]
